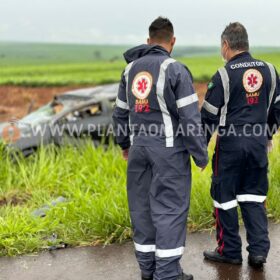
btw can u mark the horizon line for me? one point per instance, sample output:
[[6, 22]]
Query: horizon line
[[116, 45]]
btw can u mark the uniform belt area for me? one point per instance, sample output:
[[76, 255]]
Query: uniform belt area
[[152, 140], [257, 129]]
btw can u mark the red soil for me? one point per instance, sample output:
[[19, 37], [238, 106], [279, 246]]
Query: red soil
[[15, 101]]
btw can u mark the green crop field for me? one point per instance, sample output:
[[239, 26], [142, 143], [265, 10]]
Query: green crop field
[[60, 65], [95, 210]]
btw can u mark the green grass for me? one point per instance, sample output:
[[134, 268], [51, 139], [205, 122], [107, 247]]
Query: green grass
[[102, 72], [60, 64], [93, 182], [94, 73]]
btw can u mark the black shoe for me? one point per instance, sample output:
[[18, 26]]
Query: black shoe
[[216, 257], [256, 261], [147, 277], [185, 277]]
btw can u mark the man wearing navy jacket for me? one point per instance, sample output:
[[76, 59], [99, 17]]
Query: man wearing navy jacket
[[243, 102], [158, 125]]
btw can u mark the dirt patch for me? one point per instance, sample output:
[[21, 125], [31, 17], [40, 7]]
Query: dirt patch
[[14, 198], [16, 101]]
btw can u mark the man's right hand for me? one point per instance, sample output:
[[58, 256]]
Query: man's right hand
[[125, 154], [203, 168]]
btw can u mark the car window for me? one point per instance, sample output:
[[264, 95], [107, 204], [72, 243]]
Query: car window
[[41, 115], [112, 102], [83, 113]]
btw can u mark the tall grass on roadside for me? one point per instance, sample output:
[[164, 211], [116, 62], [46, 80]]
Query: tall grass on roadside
[[95, 211], [274, 182]]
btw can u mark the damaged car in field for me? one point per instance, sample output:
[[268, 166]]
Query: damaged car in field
[[69, 117]]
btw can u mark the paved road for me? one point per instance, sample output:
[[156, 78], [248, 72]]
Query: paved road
[[117, 262]]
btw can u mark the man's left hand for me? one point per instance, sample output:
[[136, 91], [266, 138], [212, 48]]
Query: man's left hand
[[269, 146]]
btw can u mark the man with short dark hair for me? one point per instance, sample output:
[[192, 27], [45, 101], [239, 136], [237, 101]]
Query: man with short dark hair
[[243, 101], [156, 104], [161, 30]]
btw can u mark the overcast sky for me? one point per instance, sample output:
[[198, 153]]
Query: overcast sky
[[196, 22]]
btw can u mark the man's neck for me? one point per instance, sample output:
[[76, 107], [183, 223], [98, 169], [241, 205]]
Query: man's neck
[[232, 54], [163, 45]]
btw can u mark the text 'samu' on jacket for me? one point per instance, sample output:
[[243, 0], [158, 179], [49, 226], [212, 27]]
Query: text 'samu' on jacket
[[228, 101], [170, 116]]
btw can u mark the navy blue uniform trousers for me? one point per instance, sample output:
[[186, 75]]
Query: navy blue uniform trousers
[[158, 186], [240, 167]]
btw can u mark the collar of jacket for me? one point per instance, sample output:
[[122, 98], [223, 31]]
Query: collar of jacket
[[240, 55], [142, 50]]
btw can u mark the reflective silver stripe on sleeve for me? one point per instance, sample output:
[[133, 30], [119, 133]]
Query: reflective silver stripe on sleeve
[[126, 73], [168, 127], [251, 198], [121, 104], [273, 84], [277, 99], [225, 80], [210, 108], [144, 248], [226, 205], [170, 252], [188, 100]]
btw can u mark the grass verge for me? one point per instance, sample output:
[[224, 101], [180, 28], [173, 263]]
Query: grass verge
[[95, 210]]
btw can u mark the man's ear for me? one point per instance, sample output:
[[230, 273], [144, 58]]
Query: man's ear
[[148, 41], [173, 41], [226, 43]]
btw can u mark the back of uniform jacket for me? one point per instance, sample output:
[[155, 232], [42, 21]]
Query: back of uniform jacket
[[157, 105], [244, 92]]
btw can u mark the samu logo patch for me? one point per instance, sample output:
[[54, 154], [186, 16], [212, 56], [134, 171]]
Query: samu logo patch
[[142, 85], [252, 80]]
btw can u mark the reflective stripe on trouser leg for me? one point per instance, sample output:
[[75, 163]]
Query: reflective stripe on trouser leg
[[252, 196], [227, 232], [225, 181], [252, 199], [138, 186], [169, 200], [255, 221]]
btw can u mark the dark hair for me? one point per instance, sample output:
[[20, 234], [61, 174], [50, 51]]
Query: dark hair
[[161, 29], [237, 37]]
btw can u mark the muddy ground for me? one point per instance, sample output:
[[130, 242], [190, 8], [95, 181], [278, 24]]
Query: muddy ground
[[15, 102]]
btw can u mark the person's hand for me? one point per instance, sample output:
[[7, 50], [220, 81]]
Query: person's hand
[[269, 146], [203, 168], [125, 154]]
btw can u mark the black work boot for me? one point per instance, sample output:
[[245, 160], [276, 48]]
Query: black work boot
[[147, 277], [185, 277], [256, 261], [216, 257]]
